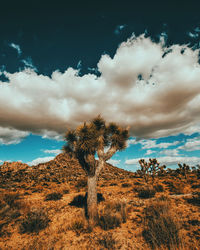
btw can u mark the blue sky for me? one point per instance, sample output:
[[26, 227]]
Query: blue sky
[[136, 64]]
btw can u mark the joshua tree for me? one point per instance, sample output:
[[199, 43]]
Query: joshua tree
[[183, 169], [89, 140], [151, 168]]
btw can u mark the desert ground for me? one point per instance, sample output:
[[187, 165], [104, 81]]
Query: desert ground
[[43, 207]]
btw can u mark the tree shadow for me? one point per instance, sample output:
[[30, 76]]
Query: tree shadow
[[80, 201]]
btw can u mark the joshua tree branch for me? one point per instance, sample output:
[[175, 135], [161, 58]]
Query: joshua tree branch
[[110, 153]]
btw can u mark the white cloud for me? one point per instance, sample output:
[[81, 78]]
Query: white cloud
[[131, 142], [149, 152], [53, 135], [52, 151], [193, 35], [168, 160], [113, 162], [191, 145], [40, 160], [197, 29], [152, 144], [119, 28], [28, 62], [79, 64], [156, 93], [17, 47], [11, 136], [170, 152]]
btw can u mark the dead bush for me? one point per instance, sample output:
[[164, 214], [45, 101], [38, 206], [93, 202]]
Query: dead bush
[[65, 191], [195, 200], [126, 185], [146, 192], [158, 188], [118, 207], [176, 187], [34, 221], [107, 241], [12, 199], [53, 196], [77, 224], [81, 183], [109, 221], [112, 215], [161, 228]]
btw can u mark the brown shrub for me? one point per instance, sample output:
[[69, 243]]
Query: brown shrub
[[109, 221], [107, 241], [53, 196], [77, 224], [161, 228], [176, 187], [12, 199], [112, 215], [34, 221], [126, 185], [195, 200], [146, 192], [66, 191], [81, 183], [158, 188]]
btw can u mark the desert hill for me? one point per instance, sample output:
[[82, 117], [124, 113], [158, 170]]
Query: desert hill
[[59, 170]]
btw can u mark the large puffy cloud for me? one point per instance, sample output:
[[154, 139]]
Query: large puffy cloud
[[153, 88]]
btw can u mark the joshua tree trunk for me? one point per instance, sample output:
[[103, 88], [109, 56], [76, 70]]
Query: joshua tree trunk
[[92, 199], [92, 209]]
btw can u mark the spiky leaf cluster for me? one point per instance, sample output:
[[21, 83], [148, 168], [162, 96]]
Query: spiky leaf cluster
[[88, 137]]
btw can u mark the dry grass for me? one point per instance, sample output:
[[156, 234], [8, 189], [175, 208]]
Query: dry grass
[[161, 227], [112, 214]]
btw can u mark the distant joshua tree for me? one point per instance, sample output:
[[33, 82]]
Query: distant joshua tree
[[151, 168], [89, 140], [184, 170]]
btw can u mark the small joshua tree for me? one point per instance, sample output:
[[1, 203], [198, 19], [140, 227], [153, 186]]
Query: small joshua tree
[[183, 169], [144, 170], [151, 168], [85, 142]]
